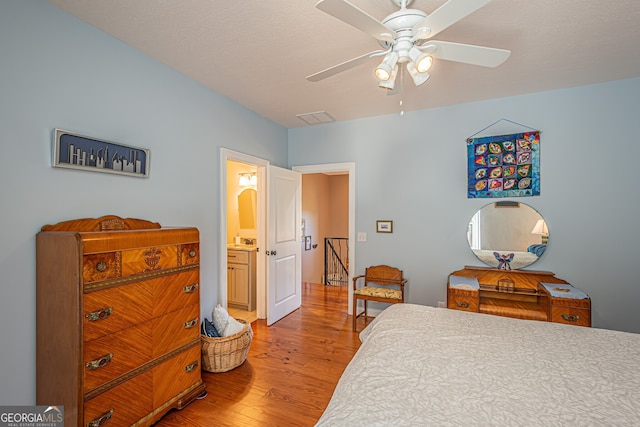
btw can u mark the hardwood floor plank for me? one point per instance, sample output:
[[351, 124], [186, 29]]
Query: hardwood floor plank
[[290, 373]]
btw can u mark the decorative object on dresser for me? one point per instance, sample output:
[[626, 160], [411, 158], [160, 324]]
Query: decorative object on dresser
[[533, 295], [381, 284], [118, 306]]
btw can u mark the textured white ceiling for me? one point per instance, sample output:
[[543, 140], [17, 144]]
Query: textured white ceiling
[[259, 52]]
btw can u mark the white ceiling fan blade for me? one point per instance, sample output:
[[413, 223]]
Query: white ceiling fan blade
[[467, 53], [445, 16], [344, 66], [347, 12]]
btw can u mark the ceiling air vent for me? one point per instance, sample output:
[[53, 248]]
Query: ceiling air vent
[[316, 118]]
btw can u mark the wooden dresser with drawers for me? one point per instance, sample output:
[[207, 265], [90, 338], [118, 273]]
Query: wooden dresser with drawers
[[523, 294], [118, 328]]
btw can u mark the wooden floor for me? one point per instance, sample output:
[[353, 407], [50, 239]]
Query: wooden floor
[[291, 371]]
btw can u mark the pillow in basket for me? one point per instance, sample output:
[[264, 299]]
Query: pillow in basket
[[208, 329], [225, 324], [233, 327], [220, 319]]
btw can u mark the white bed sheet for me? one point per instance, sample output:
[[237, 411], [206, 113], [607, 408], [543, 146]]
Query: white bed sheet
[[422, 365]]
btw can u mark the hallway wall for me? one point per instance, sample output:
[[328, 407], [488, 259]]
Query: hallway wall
[[325, 209]]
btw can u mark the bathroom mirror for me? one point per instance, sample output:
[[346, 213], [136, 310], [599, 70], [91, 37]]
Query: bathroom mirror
[[247, 201], [508, 235]]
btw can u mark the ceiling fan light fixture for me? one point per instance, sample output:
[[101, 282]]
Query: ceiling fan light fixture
[[390, 83], [418, 77], [385, 69], [383, 72], [422, 61]]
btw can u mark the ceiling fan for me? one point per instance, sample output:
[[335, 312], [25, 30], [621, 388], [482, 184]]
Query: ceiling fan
[[405, 37]]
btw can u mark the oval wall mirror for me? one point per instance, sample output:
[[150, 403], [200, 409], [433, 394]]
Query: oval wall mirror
[[508, 235], [247, 206]]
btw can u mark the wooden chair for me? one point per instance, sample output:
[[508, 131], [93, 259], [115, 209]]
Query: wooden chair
[[381, 284]]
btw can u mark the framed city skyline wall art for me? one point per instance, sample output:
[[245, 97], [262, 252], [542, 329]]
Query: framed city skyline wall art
[[74, 151], [504, 166]]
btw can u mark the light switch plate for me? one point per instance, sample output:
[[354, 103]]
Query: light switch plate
[[362, 237]]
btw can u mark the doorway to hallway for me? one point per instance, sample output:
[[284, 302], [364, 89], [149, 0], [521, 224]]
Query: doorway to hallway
[[328, 210]]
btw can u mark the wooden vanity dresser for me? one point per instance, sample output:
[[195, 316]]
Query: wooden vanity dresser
[[118, 329], [534, 295]]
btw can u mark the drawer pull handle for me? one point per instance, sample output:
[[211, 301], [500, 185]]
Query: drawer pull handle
[[191, 367], [191, 323], [571, 318], [102, 420], [101, 266], [99, 315], [190, 288], [100, 363], [193, 253], [462, 304]]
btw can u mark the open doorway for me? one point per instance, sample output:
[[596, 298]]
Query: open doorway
[[328, 204], [240, 172], [242, 239]]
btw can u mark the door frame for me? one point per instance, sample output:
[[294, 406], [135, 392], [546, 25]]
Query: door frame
[[261, 165], [350, 168]]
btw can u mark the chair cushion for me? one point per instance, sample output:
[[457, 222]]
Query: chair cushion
[[372, 291]]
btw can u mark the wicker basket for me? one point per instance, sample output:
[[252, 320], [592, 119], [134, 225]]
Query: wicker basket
[[224, 354]]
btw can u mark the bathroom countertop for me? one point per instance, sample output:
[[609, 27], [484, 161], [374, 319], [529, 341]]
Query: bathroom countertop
[[248, 248]]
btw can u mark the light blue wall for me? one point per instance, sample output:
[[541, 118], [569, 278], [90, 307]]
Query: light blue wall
[[56, 71], [412, 170]]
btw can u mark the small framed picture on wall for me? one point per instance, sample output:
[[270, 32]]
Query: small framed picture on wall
[[384, 226]]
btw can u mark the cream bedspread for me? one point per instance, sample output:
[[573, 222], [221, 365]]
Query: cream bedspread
[[422, 365]]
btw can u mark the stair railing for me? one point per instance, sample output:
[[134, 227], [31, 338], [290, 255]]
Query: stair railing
[[336, 261]]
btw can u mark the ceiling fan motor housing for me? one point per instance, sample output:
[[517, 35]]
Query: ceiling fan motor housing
[[402, 22], [404, 19]]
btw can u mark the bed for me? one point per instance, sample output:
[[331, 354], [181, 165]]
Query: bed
[[420, 365]]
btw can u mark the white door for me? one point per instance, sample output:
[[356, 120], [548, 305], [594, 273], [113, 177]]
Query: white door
[[283, 249]]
